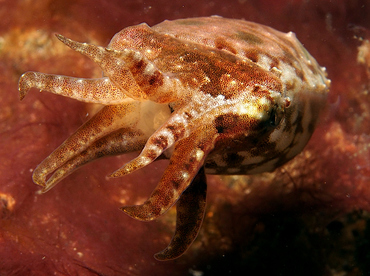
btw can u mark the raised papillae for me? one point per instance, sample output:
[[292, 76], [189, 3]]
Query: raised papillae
[[214, 95]]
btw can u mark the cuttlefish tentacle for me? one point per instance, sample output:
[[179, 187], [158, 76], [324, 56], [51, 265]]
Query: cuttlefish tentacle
[[86, 90], [187, 159], [174, 129], [110, 64], [118, 142], [167, 135], [190, 209], [138, 77], [110, 118]]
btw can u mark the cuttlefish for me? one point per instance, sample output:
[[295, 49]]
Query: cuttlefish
[[213, 95]]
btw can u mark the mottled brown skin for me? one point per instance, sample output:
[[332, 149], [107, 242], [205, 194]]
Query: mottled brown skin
[[213, 95]]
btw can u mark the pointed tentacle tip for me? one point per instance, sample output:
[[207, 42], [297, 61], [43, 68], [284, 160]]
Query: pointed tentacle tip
[[167, 254], [69, 42], [139, 212], [120, 172], [46, 188], [24, 85], [59, 36], [52, 181], [22, 94], [134, 165], [39, 179], [160, 256], [63, 38], [45, 184]]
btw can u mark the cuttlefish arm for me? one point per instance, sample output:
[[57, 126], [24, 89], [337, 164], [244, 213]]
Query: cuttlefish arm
[[190, 210]]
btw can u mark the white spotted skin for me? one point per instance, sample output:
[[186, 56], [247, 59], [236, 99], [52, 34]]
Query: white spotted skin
[[214, 95]]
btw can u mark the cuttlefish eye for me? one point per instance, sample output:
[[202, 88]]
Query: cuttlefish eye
[[276, 114]]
